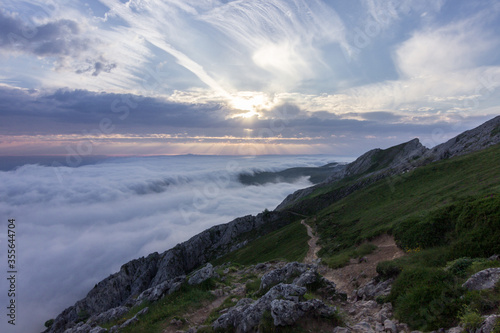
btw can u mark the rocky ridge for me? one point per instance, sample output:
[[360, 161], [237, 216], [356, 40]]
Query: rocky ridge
[[158, 274]]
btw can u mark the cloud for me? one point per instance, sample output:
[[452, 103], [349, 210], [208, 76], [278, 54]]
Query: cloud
[[79, 123], [76, 232], [450, 48], [60, 39]]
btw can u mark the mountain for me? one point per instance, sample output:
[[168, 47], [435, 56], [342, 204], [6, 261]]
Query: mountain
[[380, 163], [150, 278]]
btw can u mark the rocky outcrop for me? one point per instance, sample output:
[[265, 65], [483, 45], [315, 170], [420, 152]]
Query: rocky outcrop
[[155, 293], [485, 279], [481, 137], [202, 275], [110, 315], [285, 312], [374, 289], [396, 158], [488, 325], [151, 277], [283, 300]]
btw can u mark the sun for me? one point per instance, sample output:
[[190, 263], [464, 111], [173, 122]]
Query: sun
[[250, 103]]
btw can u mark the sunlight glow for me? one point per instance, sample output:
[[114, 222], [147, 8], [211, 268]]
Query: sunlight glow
[[251, 102]]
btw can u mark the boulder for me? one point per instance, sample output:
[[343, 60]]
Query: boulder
[[247, 316], [202, 275], [373, 289], [488, 324], [291, 270], [286, 312], [390, 327], [485, 279]]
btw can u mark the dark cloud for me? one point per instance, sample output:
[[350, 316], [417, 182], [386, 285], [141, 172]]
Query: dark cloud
[[59, 39], [77, 111]]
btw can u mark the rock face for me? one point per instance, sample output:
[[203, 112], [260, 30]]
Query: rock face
[[481, 137], [283, 300], [151, 277], [485, 279]]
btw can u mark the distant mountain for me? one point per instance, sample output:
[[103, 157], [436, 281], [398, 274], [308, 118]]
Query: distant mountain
[[315, 174]]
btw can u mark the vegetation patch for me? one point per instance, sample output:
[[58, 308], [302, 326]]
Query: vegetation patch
[[342, 259], [188, 298], [426, 298], [288, 243]]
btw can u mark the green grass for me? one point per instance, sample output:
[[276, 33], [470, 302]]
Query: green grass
[[288, 243], [187, 299], [382, 206], [343, 258]]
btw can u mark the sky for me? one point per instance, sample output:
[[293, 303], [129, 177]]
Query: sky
[[138, 77]]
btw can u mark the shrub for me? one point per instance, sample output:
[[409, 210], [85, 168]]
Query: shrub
[[252, 287], [426, 231], [425, 298], [470, 319], [460, 266], [49, 323], [496, 328], [478, 228], [388, 269]]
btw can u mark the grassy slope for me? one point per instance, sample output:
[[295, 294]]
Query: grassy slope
[[381, 206], [288, 243]]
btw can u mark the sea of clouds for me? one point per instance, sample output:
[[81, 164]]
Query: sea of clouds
[[76, 226]]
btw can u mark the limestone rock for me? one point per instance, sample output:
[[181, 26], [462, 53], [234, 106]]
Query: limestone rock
[[485, 279], [291, 270], [390, 327], [98, 329], [374, 289], [286, 312], [202, 275], [245, 317], [110, 315], [488, 324], [476, 139], [155, 293]]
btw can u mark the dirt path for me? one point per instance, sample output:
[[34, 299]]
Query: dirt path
[[356, 274], [312, 254]]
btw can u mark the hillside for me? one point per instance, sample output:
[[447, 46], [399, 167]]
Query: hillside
[[443, 213]]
